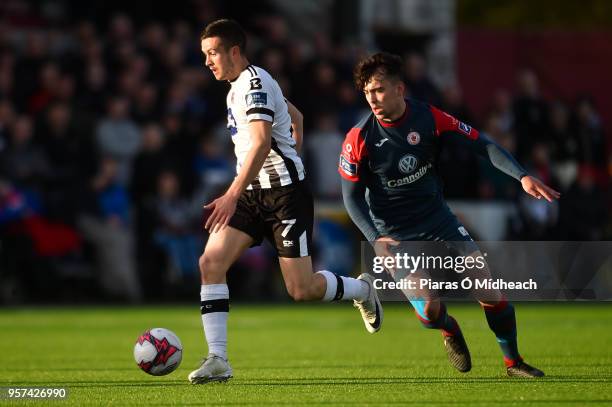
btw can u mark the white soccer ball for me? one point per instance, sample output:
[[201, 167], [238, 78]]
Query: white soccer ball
[[158, 351]]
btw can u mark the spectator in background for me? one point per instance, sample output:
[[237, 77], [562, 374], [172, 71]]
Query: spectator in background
[[502, 108], [587, 127], [119, 137], [530, 114], [120, 45], [322, 147], [564, 145], [107, 226], [350, 106], [453, 104], [457, 166], [65, 91], [172, 61], [153, 40], [419, 85], [7, 68], [146, 104], [493, 184], [539, 217], [321, 92], [28, 68], [179, 148], [583, 210], [460, 171], [70, 157], [148, 163], [94, 90], [49, 80], [213, 170], [23, 162], [273, 60], [7, 116], [177, 230]]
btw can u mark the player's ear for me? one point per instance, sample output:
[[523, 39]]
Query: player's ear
[[401, 88]]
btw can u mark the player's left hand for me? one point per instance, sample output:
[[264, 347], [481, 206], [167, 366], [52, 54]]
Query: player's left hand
[[538, 189], [223, 209]]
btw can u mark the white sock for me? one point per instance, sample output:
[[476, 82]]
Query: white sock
[[344, 288], [215, 309]]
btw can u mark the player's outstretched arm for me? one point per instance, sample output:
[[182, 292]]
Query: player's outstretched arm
[[223, 208], [505, 162], [447, 125], [297, 125]]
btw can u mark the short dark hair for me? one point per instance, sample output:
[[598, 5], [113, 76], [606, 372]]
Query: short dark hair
[[389, 65], [229, 31]]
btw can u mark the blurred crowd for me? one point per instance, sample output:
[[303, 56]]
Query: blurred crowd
[[112, 137]]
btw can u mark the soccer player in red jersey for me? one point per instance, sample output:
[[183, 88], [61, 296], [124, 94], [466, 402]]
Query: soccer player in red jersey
[[393, 193]]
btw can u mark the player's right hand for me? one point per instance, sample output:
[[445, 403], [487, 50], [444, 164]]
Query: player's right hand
[[538, 189], [223, 209], [382, 248]]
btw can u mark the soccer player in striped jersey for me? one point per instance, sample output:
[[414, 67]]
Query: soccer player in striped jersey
[[269, 198], [393, 193]]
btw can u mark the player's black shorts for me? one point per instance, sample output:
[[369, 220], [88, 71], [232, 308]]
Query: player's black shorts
[[283, 215], [450, 231]]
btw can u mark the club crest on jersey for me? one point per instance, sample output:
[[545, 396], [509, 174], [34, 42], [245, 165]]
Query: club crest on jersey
[[413, 138], [465, 128], [256, 99], [407, 163]]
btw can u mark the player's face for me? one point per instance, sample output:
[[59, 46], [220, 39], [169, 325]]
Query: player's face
[[385, 97], [218, 58]]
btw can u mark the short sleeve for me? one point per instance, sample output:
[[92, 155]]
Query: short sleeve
[[259, 99], [447, 123], [352, 155]]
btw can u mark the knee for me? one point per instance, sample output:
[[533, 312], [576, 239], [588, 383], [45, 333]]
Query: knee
[[211, 267], [299, 293]]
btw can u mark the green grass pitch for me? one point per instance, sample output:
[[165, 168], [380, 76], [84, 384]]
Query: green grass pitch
[[293, 355]]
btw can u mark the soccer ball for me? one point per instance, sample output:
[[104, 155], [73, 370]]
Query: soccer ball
[[158, 351]]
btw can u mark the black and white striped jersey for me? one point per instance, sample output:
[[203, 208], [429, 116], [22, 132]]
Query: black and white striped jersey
[[255, 95]]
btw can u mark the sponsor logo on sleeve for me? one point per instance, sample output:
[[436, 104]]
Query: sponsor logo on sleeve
[[348, 167], [464, 128], [255, 99]]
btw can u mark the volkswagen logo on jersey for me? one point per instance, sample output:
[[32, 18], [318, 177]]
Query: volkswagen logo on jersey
[[413, 138], [407, 163]]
